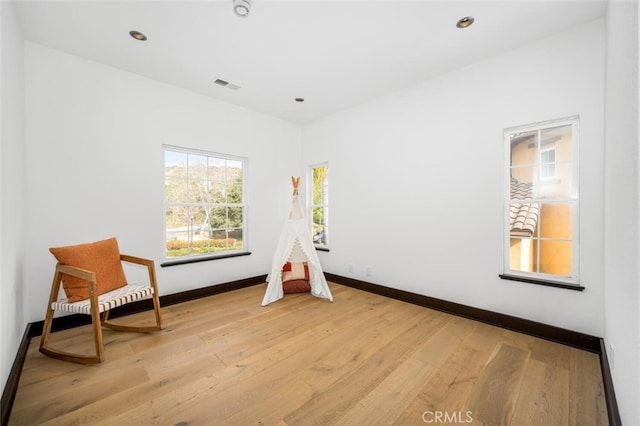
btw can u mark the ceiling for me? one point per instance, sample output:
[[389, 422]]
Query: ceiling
[[334, 54]]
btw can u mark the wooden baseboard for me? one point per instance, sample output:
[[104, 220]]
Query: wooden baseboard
[[556, 334], [11, 387], [548, 332], [520, 325]]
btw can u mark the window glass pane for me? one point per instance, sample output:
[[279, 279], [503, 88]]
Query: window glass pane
[[320, 185], [235, 217], [217, 192], [197, 162], [523, 219], [216, 170], [555, 257], [555, 220], [199, 221], [177, 223], [217, 163], [524, 148], [175, 164], [197, 193], [319, 236], [235, 167], [521, 255], [218, 218], [234, 194], [560, 184], [235, 239], [522, 183], [551, 135], [175, 189]]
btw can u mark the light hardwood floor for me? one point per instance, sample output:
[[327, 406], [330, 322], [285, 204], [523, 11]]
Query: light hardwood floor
[[362, 360]]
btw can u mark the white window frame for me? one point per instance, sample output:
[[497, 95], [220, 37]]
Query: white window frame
[[189, 257], [573, 280], [324, 205]]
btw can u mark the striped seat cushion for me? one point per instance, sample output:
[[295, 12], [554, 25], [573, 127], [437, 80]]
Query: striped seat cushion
[[106, 301]]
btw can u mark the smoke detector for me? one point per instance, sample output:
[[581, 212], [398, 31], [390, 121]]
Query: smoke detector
[[242, 8]]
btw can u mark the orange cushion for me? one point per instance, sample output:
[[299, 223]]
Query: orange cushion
[[296, 286], [101, 257]]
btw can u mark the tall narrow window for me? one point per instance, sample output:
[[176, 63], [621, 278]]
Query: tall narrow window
[[320, 205], [205, 212], [541, 193]]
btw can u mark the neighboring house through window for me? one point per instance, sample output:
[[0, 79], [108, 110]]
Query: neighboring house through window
[[320, 205], [205, 207], [541, 221]]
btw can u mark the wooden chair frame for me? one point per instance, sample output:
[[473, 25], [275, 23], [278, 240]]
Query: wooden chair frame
[[98, 320]]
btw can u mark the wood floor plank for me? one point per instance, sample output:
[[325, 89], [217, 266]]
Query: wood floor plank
[[329, 406], [586, 394], [448, 390], [544, 398], [363, 359], [387, 401], [61, 400], [447, 340], [493, 398], [181, 384], [282, 329]]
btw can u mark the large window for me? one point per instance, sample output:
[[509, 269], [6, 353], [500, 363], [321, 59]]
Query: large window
[[205, 212], [541, 193], [320, 205]]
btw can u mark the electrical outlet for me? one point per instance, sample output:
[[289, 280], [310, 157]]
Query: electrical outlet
[[611, 356]]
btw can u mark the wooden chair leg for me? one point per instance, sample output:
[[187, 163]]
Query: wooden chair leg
[[156, 296], [48, 322]]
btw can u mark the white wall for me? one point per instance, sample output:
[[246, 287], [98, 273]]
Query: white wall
[[95, 167], [622, 231], [416, 179], [12, 187]]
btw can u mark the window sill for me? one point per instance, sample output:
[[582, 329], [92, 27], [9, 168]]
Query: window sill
[[322, 248], [187, 260], [538, 281]]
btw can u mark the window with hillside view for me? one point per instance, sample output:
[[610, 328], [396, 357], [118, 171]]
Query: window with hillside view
[[320, 205], [204, 203], [541, 193]]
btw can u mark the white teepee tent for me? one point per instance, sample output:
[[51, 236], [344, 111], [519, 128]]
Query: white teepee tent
[[296, 245]]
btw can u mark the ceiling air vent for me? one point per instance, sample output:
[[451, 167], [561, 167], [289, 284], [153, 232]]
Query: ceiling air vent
[[226, 84]]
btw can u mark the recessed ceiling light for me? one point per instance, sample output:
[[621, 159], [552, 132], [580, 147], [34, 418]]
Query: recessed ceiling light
[[242, 8], [138, 35], [465, 22], [299, 99]]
